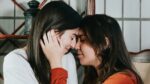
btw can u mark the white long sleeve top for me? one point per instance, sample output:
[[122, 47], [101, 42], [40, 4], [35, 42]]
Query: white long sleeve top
[[17, 70]]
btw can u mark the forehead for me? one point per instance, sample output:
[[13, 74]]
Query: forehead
[[81, 33], [72, 31]]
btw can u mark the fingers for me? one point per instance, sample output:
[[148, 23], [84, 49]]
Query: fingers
[[51, 38], [54, 38], [60, 43], [45, 40], [42, 44], [51, 47]]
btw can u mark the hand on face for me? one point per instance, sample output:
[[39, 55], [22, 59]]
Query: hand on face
[[52, 48]]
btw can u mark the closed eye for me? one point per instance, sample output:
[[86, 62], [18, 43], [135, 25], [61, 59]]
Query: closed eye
[[83, 38]]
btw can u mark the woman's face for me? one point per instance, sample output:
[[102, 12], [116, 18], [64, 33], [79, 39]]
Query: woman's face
[[68, 38], [86, 53]]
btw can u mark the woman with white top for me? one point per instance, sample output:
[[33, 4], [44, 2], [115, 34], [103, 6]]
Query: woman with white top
[[29, 65]]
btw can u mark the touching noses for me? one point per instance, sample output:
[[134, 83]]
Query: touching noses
[[73, 44], [77, 46]]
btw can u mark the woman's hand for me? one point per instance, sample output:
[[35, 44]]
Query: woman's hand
[[52, 48]]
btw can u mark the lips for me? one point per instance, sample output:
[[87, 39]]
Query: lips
[[79, 52], [80, 55], [66, 49]]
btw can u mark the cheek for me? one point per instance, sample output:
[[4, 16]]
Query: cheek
[[87, 50], [65, 40], [88, 55]]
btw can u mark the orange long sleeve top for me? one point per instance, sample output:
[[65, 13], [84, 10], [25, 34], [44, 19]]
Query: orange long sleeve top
[[59, 76], [121, 78]]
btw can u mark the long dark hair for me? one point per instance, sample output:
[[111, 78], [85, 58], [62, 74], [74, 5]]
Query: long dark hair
[[115, 57], [55, 14]]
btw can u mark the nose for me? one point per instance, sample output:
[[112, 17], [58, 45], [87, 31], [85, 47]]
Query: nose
[[73, 43], [77, 46]]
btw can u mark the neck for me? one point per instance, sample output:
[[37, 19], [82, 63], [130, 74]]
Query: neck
[[96, 66], [97, 70]]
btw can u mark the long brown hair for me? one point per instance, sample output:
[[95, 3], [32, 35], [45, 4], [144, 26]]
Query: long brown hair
[[55, 14], [115, 58]]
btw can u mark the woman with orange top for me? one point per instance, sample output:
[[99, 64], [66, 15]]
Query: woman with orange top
[[102, 52]]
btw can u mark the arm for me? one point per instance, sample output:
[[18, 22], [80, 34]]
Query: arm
[[59, 76]]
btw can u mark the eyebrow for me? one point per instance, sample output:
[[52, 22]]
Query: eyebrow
[[75, 34], [79, 36]]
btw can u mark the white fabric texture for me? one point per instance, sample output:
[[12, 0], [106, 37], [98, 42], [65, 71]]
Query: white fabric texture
[[70, 65], [17, 70]]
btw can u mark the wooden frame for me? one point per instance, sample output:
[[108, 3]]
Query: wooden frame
[[90, 7]]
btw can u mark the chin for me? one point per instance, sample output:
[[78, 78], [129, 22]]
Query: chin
[[82, 63], [67, 51]]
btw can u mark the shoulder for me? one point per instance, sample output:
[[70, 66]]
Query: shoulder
[[15, 58], [120, 78], [17, 69]]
